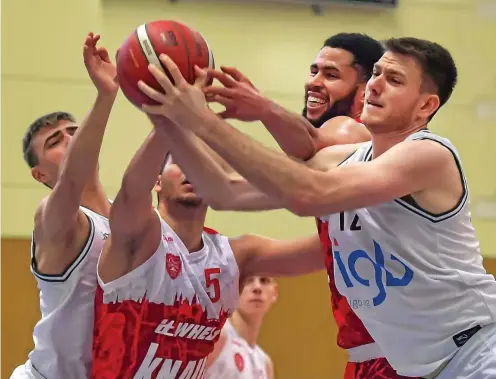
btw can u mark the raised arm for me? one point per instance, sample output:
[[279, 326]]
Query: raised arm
[[58, 218], [132, 210], [295, 135], [134, 225]]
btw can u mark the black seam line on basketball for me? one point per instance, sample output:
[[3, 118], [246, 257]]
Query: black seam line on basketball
[[72, 266], [187, 56], [153, 49]]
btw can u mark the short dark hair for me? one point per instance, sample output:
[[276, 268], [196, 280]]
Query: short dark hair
[[366, 50], [50, 119], [436, 62]]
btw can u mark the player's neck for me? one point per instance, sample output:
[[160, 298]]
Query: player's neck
[[187, 224], [94, 198], [247, 328], [382, 142]]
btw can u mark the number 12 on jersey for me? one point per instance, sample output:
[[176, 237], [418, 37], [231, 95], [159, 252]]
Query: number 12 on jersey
[[353, 225], [212, 283]]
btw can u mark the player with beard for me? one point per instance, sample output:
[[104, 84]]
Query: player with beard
[[337, 79], [334, 94], [406, 252], [334, 99]]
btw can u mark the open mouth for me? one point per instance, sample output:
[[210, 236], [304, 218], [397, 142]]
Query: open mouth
[[316, 101]]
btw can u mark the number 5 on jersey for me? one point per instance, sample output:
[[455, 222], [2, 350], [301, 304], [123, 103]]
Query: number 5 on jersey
[[212, 283]]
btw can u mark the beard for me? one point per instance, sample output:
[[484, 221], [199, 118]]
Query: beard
[[341, 107]]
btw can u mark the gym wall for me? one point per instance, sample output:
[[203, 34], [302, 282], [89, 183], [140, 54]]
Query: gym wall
[[43, 71]]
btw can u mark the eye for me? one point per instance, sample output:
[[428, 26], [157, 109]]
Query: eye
[[264, 280]]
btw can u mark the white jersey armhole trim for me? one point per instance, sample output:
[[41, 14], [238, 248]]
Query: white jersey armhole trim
[[127, 278], [57, 278], [435, 218]]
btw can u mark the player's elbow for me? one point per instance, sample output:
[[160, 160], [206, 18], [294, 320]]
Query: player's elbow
[[304, 202]]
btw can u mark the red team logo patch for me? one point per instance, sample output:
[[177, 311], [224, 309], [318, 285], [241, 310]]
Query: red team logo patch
[[240, 363], [173, 265]]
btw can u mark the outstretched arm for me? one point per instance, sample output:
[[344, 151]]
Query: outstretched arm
[[58, 218], [220, 186], [406, 168], [294, 134], [258, 255]]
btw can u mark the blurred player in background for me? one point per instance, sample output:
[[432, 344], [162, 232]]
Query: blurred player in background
[[70, 226], [237, 355]]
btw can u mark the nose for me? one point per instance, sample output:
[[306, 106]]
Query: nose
[[375, 84], [257, 286], [67, 138], [315, 82]]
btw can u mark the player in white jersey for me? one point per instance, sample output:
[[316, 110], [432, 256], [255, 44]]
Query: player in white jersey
[[408, 261], [167, 283], [70, 227], [237, 354]]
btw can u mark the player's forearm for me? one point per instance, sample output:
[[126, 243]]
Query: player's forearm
[[84, 150], [271, 172], [220, 186], [143, 170], [294, 134]]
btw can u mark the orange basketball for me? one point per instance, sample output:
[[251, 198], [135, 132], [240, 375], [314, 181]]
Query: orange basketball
[[185, 46]]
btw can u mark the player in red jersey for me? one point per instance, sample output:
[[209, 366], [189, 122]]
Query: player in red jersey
[[166, 283], [334, 94]]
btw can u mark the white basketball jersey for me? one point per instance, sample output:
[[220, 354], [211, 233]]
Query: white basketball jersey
[[63, 336], [238, 360], [414, 278], [162, 319]]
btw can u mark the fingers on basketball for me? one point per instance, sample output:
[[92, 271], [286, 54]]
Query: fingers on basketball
[[161, 77], [173, 70], [150, 92], [201, 77]]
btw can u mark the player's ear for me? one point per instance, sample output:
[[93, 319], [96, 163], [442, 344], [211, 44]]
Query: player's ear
[[275, 291], [158, 185]]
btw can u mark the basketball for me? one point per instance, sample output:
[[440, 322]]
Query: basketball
[[185, 46]]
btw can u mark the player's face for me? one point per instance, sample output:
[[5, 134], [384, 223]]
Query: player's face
[[395, 96], [175, 187], [332, 88], [259, 293], [50, 146]]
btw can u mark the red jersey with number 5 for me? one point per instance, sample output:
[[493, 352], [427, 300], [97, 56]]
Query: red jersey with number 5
[[162, 319]]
